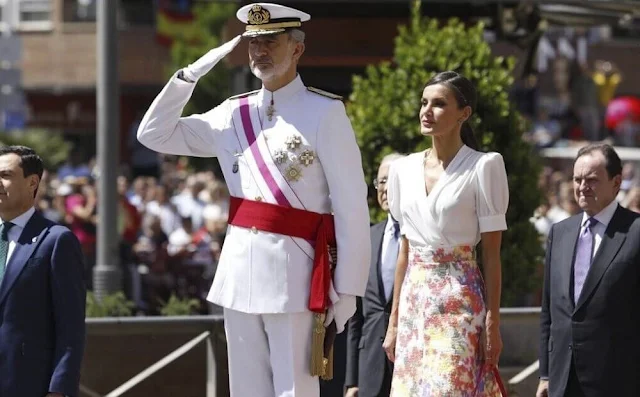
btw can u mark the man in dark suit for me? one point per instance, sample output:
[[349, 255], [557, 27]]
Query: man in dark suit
[[590, 318], [368, 369], [42, 293]]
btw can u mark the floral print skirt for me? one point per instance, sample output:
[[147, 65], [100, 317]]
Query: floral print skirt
[[440, 325]]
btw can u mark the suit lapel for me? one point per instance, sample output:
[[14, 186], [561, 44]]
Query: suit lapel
[[376, 259], [611, 242], [29, 239], [570, 240]]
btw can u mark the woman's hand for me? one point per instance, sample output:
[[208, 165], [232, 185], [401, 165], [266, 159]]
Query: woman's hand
[[389, 344], [492, 343]]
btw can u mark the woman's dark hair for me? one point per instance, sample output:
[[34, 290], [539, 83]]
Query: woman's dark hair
[[465, 94]]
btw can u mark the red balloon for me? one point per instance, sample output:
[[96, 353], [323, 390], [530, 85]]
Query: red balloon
[[620, 108]]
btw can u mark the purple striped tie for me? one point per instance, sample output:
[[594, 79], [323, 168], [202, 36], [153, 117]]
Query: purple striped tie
[[584, 254]]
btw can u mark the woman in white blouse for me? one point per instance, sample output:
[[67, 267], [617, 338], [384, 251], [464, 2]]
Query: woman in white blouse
[[444, 332]]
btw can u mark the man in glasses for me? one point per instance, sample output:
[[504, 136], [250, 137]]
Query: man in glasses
[[368, 369]]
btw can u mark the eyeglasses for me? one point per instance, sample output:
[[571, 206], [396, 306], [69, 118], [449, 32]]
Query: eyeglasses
[[377, 184]]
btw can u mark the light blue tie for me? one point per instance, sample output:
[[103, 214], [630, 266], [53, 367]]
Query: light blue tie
[[584, 255], [388, 269], [4, 247]]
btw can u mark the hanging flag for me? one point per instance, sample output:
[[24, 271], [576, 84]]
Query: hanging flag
[[174, 20]]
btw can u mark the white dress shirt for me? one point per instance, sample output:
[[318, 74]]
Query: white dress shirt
[[388, 265], [19, 223], [603, 217]]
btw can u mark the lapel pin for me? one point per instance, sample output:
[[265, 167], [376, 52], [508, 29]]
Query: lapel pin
[[33, 240]]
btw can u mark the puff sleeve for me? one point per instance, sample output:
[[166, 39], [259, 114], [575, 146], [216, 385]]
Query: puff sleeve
[[393, 192], [492, 193]]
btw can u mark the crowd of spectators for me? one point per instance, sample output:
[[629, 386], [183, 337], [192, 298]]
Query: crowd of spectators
[[171, 226]]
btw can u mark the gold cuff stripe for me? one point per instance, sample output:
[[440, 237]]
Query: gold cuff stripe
[[279, 25]]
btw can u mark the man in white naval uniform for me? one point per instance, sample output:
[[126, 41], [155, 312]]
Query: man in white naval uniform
[[281, 147]]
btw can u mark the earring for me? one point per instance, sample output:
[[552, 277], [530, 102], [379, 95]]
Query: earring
[[460, 121]]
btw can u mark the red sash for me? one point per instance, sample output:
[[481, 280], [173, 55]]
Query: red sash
[[293, 222]]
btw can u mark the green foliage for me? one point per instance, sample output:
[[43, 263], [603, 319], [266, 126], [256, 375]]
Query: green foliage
[[384, 109], [50, 146], [212, 89], [114, 305], [205, 34], [179, 307]]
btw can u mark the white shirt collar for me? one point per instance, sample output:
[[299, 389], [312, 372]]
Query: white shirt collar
[[604, 216], [281, 95], [389, 225], [21, 220]]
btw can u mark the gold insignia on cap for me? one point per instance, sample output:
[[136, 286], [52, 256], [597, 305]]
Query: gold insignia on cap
[[258, 15]]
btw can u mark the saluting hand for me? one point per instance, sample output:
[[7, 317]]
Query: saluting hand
[[203, 65]]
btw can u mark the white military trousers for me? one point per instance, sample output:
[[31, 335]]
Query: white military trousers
[[269, 354]]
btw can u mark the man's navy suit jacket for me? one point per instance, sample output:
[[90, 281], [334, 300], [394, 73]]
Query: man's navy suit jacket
[[42, 313]]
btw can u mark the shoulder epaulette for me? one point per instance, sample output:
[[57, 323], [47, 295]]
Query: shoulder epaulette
[[324, 93], [246, 94]]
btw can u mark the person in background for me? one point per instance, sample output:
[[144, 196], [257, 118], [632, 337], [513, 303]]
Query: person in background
[[369, 370]]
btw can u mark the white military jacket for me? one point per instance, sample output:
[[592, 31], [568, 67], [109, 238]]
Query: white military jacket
[[305, 156]]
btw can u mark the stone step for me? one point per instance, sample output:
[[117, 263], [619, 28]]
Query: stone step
[[526, 386]]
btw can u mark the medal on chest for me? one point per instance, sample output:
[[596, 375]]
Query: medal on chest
[[271, 109], [235, 167]]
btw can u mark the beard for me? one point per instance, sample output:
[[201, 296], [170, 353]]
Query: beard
[[272, 72]]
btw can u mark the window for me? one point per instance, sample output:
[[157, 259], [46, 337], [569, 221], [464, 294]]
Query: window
[[34, 14], [79, 10], [25, 14]]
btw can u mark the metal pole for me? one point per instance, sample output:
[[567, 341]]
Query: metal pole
[[7, 19], [107, 275]]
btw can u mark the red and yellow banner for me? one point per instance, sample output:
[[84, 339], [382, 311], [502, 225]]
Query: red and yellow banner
[[172, 25]]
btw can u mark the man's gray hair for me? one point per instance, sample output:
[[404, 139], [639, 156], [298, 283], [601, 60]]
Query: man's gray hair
[[390, 158], [297, 35]]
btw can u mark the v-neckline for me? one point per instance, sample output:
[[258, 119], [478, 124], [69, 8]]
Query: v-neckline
[[442, 175]]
